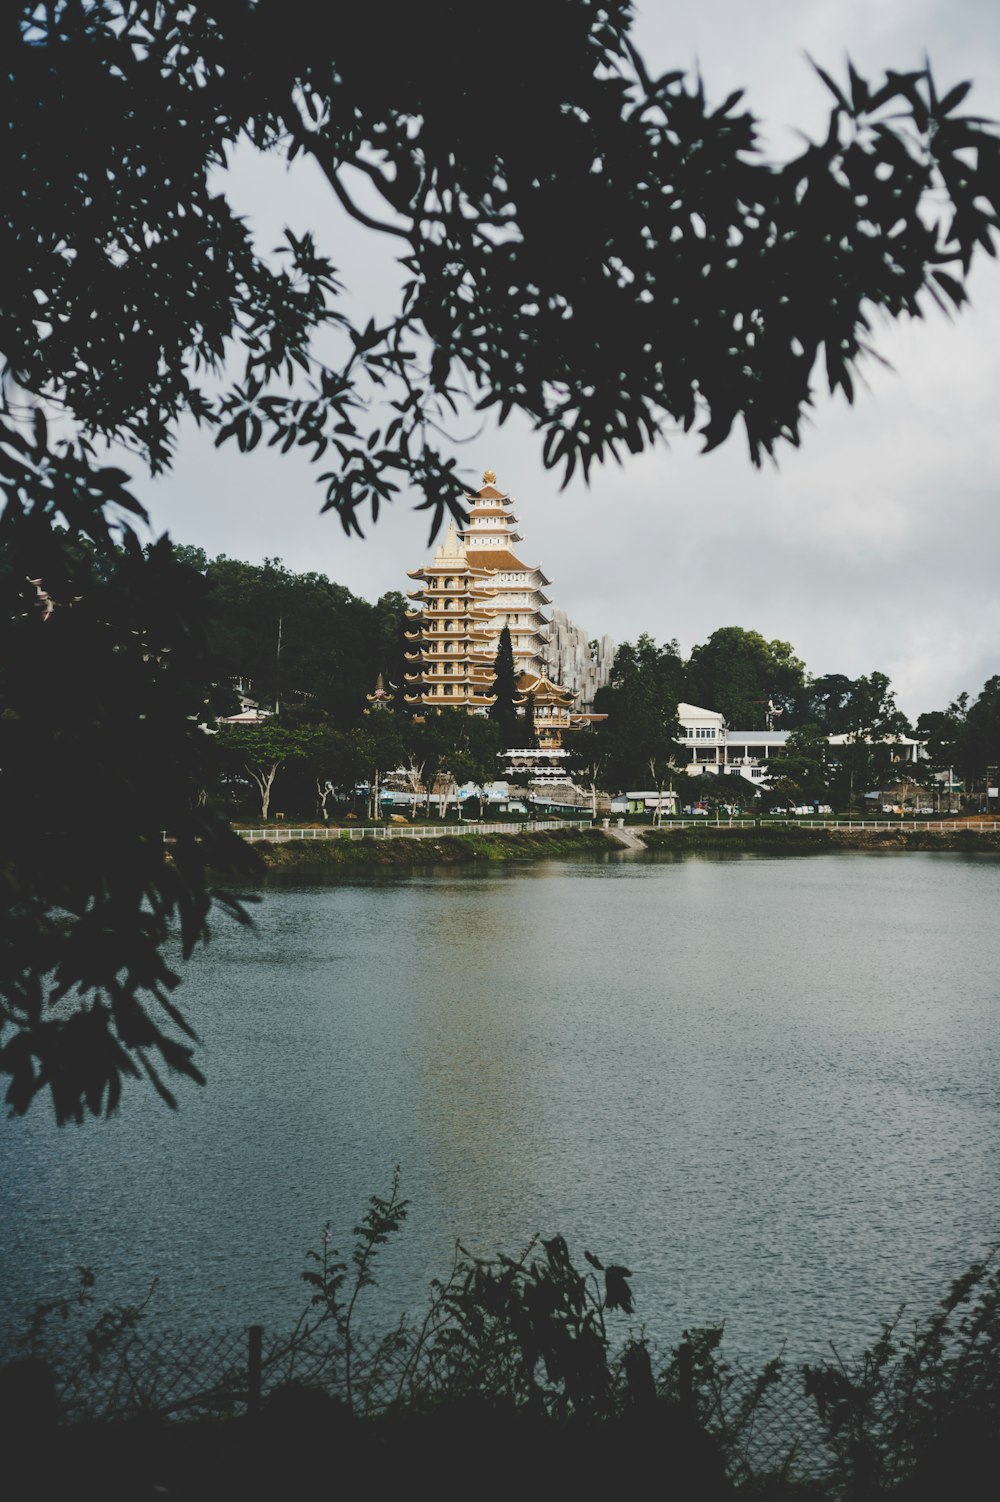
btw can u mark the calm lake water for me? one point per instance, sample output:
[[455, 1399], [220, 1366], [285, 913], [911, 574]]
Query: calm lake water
[[770, 1086]]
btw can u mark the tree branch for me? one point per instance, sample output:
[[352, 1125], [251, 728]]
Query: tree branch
[[305, 139]]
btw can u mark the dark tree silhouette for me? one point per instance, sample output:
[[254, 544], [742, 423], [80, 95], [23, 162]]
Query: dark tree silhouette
[[604, 252], [503, 710], [553, 249]]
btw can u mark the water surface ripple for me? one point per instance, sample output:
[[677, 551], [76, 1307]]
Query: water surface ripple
[[770, 1086]]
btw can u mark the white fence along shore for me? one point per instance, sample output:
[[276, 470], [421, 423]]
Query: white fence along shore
[[279, 833], [409, 831]]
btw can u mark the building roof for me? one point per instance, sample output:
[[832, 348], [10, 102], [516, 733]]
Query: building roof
[[543, 688], [886, 740], [757, 737], [695, 712], [497, 558]]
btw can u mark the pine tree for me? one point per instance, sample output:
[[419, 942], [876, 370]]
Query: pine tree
[[502, 711], [527, 739]]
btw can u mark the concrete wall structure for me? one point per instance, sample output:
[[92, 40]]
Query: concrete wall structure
[[571, 661]]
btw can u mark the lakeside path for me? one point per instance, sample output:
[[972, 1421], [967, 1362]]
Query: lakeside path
[[316, 856]]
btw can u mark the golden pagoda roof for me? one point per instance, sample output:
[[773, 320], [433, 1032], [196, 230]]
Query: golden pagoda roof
[[543, 689], [497, 558], [456, 567]]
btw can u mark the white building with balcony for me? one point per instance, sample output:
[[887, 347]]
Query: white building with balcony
[[712, 747]]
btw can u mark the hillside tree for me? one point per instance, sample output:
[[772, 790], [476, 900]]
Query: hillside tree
[[259, 752], [590, 751], [874, 724], [800, 772], [643, 732], [743, 677]]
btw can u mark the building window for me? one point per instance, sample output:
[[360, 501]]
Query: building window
[[705, 733]]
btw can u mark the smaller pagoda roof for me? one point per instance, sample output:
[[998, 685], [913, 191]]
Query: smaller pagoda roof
[[382, 697], [543, 688], [457, 566]]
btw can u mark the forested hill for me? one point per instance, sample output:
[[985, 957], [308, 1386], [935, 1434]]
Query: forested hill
[[298, 639]]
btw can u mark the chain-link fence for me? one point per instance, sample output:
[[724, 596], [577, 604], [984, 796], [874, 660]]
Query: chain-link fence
[[526, 1339], [761, 1428]]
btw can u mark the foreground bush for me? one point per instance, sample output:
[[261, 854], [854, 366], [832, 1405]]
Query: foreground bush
[[522, 1371]]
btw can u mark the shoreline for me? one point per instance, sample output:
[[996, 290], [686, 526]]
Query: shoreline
[[448, 850], [468, 848], [806, 838]]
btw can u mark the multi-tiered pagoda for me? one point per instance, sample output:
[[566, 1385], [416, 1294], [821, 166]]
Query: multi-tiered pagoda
[[474, 586]]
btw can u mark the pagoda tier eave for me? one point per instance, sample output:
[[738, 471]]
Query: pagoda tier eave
[[459, 567], [433, 701]]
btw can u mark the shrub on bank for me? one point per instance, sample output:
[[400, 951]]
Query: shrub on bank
[[524, 1373]]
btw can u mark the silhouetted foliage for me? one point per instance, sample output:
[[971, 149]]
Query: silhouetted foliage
[[533, 1354], [750, 274], [919, 1413], [103, 681]]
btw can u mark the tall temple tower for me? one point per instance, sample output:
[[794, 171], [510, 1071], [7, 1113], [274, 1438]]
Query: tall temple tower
[[474, 586]]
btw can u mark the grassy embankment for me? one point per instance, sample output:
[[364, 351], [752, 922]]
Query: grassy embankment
[[449, 850], [803, 839], [468, 848]]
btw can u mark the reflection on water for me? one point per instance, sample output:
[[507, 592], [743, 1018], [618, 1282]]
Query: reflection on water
[[769, 1086]]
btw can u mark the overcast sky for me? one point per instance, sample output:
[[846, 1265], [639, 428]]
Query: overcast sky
[[874, 546]]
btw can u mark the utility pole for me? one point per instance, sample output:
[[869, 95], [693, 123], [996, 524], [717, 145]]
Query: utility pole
[[277, 670]]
